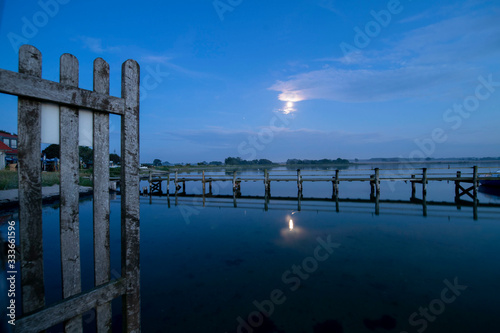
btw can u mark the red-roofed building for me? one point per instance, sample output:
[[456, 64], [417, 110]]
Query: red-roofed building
[[9, 140], [3, 151]]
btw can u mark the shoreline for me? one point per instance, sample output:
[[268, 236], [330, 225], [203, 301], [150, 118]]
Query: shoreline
[[10, 198]]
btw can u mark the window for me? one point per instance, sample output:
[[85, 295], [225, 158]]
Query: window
[[13, 143]]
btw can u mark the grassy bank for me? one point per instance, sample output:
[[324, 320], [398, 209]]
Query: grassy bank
[[9, 179]]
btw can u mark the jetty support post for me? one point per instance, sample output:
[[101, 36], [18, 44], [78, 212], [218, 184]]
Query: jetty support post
[[335, 184], [457, 187], [267, 183], [377, 204], [475, 183], [424, 183], [168, 183], [413, 187], [150, 182], [377, 180], [299, 181], [299, 201], [372, 187], [474, 209], [234, 181], [176, 182], [203, 182]]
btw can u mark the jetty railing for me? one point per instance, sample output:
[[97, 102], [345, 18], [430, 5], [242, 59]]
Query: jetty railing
[[391, 206], [374, 177], [32, 90], [466, 184]]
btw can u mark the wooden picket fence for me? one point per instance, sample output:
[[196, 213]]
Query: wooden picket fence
[[32, 90]]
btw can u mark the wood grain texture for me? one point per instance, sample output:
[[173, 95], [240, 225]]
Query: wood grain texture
[[30, 187], [31, 89], [102, 267], [130, 196], [28, 86], [69, 211], [71, 307]]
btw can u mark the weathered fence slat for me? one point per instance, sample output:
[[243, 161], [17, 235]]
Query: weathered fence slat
[[24, 85], [102, 267], [71, 307], [30, 187], [70, 229], [130, 195], [31, 90]]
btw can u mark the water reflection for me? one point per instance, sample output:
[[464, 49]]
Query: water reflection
[[375, 205], [491, 192]]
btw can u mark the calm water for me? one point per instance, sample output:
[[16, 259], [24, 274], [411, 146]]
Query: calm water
[[338, 269]]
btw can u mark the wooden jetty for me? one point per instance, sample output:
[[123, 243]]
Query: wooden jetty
[[300, 203], [466, 183]]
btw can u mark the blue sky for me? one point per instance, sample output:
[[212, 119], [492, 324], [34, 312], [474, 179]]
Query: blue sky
[[283, 79]]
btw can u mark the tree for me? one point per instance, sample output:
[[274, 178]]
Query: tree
[[86, 154], [51, 151], [157, 162], [114, 158]]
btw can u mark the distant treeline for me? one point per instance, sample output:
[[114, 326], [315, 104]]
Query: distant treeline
[[429, 159], [239, 161], [295, 161]]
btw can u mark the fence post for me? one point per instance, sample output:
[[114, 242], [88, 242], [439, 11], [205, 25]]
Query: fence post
[[130, 196], [102, 265], [69, 192], [30, 188]]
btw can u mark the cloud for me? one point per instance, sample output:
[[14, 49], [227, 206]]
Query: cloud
[[217, 143], [429, 62], [364, 85], [218, 138], [167, 61], [330, 5], [96, 45]]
